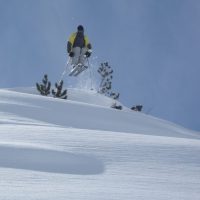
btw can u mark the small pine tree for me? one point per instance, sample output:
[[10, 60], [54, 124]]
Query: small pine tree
[[58, 92], [106, 73], [45, 87], [114, 95], [137, 108], [119, 107], [106, 78]]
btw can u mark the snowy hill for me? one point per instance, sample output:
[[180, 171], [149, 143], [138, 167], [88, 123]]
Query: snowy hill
[[81, 148]]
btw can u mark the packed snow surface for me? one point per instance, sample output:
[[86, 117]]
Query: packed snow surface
[[81, 148]]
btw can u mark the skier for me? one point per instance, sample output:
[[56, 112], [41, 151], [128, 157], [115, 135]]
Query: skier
[[78, 47]]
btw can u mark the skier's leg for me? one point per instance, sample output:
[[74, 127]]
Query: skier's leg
[[75, 59], [82, 56]]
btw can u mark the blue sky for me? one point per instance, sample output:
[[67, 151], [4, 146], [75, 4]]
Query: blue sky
[[152, 45]]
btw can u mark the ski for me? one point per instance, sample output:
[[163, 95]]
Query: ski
[[76, 68], [83, 68]]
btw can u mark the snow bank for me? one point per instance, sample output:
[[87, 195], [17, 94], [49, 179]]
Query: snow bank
[[91, 97], [84, 110], [48, 161]]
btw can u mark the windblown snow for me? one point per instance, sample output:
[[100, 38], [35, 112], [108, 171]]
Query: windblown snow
[[81, 148]]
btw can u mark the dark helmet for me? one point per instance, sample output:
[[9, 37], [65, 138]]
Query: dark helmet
[[80, 28]]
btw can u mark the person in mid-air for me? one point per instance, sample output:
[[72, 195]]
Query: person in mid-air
[[79, 47]]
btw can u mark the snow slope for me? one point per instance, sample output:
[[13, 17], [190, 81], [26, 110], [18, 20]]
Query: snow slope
[[81, 148]]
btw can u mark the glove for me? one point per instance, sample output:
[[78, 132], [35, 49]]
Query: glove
[[71, 54], [88, 54]]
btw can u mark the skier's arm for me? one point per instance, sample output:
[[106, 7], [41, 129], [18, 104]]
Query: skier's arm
[[87, 43], [70, 42], [89, 46], [69, 46]]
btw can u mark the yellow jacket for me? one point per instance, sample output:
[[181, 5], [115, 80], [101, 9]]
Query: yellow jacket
[[72, 39]]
